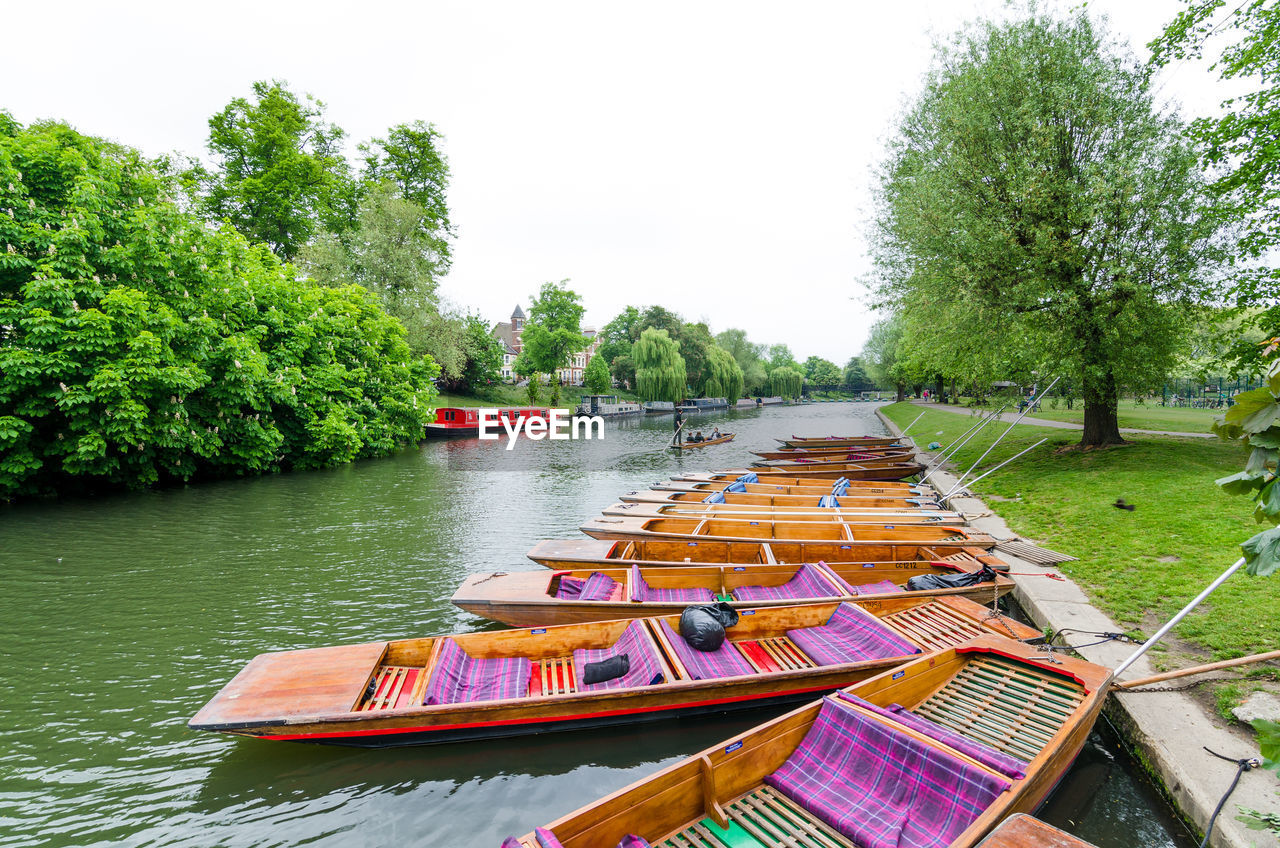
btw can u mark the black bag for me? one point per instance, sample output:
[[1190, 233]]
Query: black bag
[[598, 672], [951, 581], [703, 626]]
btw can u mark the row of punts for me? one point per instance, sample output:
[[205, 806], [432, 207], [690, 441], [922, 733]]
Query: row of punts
[[930, 716]]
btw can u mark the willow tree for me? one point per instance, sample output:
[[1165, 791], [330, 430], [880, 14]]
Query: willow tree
[[724, 377], [786, 382], [1035, 198], [660, 373]]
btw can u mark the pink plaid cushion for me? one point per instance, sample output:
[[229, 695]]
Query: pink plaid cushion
[[880, 787]]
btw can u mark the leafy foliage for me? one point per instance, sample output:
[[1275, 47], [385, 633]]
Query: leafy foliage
[[660, 373], [786, 382], [139, 346], [1078, 228], [750, 358], [280, 176], [822, 372], [1240, 142], [724, 377], [552, 334], [1254, 418], [596, 376]]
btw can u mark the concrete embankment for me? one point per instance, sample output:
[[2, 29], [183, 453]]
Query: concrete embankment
[[1167, 730]]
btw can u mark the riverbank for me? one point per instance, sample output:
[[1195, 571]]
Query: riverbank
[[1139, 572]]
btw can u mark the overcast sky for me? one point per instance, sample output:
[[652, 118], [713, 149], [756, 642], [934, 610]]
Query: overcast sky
[[714, 158]]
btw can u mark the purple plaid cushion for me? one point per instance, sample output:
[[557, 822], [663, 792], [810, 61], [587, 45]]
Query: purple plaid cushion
[[641, 654], [512, 842], [570, 588], [546, 838], [879, 587], [642, 591], [881, 788], [807, 583], [633, 841], [850, 635], [1003, 763], [599, 587], [458, 678], [840, 581], [724, 661]]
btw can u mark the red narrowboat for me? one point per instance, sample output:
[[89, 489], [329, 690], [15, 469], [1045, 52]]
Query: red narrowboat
[[465, 420]]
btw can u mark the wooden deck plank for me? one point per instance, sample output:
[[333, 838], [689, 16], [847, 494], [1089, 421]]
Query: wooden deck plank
[[316, 681]]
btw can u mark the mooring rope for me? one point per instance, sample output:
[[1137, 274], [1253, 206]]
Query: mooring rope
[[1242, 765]]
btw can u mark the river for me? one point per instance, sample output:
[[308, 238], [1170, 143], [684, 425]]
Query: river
[[122, 615]]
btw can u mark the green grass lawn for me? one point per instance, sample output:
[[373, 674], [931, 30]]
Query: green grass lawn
[[1139, 567], [1149, 416]]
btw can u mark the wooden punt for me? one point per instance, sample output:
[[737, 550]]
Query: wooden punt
[[816, 488], [727, 530], [885, 461], [811, 474], [592, 553], [698, 496], [727, 437], [1023, 831], [852, 454], [528, 681], [839, 441], [912, 514], [991, 698], [533, 598]]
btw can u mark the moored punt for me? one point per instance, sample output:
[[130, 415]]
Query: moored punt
[[837, 441], [535, 598], [825, 462], [592, 553], [517, 682], [1023, 831], [687, 445], [811, 475], [834, 453], [728, 530], [699, 496], [933, 754], [817, 488], [851, 512]]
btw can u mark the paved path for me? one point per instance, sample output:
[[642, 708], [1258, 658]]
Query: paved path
[[1061, 425]]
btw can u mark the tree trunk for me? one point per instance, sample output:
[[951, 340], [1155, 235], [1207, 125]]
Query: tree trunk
[[940, 389], [1101, 396], [902, 392]]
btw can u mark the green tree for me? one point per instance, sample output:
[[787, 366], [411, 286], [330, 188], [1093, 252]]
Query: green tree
[[279, 175], [1078, 226], [660, 373], [855, 375], [596, 376], [482, 353], [1239, 143], [822, 372], [410, 158], [786, 382], [880, 354], [552, 334], [749, 357], [724, 377], [138, 346], [695, 346], [393, 254], [616, 339], [780, 356]]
